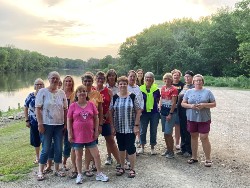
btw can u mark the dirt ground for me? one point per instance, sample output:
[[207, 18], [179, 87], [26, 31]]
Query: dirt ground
[[229, 136]]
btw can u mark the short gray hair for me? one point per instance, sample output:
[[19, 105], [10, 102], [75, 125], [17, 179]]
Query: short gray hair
[[149, 74], [53, 73], [37, 80]]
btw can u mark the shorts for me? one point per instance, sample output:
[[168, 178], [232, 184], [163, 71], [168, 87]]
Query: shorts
[[167, 126], [106, 130], [200, 127], [34, 136], [78, 146], [177, 120]]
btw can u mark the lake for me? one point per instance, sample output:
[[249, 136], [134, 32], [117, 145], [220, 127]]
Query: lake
[[15, 87]]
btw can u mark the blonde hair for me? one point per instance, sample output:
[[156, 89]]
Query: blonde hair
[[168, 75], [199, 76], [73, 83], [176, 71], [122, 79]]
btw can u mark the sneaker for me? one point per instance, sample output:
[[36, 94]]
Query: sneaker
[[170, 155], [109, 161], [165, 153], [180, 153], [141, 151], [177, 147], [186, 154], [79, 179], [153, 152], [101, 177]]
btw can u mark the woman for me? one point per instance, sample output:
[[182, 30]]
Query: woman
[[125, 110], [150, 114], [198, 102], [82, 127], [68, 88], [107, 130], [95, 97], [51, 110], [168, 111], [30, 118], [179, 86], [111, 83], [140, 77], [133, 88]]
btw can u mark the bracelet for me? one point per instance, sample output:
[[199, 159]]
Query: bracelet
[[27, 120]]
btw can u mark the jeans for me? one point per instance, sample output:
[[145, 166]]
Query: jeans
[[167, 126], [54, 132], [185, 135], [153, 120]]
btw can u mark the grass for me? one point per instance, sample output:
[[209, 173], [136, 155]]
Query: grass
[[10, 112], [16, 154]]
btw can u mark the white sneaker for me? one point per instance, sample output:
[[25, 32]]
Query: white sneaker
[[79, 179], [109, 161], [101, 177], [141, 151], [177, 147], [153, 152]]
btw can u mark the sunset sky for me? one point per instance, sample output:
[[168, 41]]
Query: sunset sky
[[89, 28]]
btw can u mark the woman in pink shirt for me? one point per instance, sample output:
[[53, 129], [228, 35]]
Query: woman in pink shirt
[[83, 122]]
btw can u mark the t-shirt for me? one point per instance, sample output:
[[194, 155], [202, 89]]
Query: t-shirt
[[193, 96], [53, 106], [136, 90], [83, 122], [124, 113], [95, 97], [179, 86], [30, 104], [166, 96], [106, 103], [114, 88], [183, 91]]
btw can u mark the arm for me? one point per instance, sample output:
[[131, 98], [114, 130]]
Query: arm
[[100, 115], [26, 109], [96, 124], [69, 128], [111, 121], [40, 119], [65, 118], [206, 105], [174, 98], [137, 121]]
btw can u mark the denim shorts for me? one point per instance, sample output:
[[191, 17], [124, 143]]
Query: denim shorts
[[78, 146], [177, 120], [167, 126], [106, 130]]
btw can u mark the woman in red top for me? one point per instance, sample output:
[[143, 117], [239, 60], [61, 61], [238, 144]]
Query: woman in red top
[[107, 130]]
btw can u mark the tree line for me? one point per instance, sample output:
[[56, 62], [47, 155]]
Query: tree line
[[217, 45]]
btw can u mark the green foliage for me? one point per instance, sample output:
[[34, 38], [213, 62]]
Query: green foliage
[[16, 155]]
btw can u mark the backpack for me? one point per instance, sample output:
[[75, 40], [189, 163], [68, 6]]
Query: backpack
[[132, 96]]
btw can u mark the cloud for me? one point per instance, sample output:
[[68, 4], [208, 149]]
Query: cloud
[[52, 2]]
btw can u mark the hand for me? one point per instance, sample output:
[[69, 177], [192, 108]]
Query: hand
[[112, 130], [70, 138], [41, 128], [168, 118], [28, 124], [100, 129], [136, 130], [200, 106]]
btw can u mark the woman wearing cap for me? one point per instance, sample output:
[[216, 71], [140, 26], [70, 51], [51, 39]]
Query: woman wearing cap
[[198, 102], [30, 118]]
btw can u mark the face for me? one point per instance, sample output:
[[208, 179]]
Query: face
[[39, 85], [100, 79], [176, 77], [60, 84], [68, 83], [188, 79], [140, 74], [131, 78], [111, 78], [81, 94], [123, 86], [168, 81], [87, 82], [54, 80], [149, 80], [198, 83]]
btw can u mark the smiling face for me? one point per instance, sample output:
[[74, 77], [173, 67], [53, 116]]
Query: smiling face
[[132, 78], [149, 80], [123, 86], [68, 83], [198, 82], [176, 77], [54, 79], [188, 79], [140, 74], [88, 82], [38, 85], [100, 80], [111, 79]]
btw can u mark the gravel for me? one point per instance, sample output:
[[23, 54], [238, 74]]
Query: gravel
[[229, 136]]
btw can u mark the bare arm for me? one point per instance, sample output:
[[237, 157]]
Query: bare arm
[[26, 109], [168, 118], [100, 115], [40, 119], [69, 128], [96, 124]]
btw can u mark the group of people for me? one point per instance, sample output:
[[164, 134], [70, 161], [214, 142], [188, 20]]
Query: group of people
[[65, 120]]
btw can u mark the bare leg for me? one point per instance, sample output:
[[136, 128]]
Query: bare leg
[[37, 150], [132, 159], [88, 158], [177, 134], [206, 146], [111, 145], [95, 153], [169, 142], [78, 154], [73, 160], [194, 145], [122, 157]]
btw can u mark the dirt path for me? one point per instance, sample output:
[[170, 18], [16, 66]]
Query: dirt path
[[229, 137]]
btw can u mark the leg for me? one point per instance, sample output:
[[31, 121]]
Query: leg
[[143, 130], [66, 150], [154, 120], [95, 153], [177, 132], [194, 145], [58, 138], [78, 154], [110, 142], [73, 160], [88, 158], [206, 146], [131, 150]]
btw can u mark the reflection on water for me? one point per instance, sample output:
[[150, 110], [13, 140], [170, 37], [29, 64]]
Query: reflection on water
[[15, 87]]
